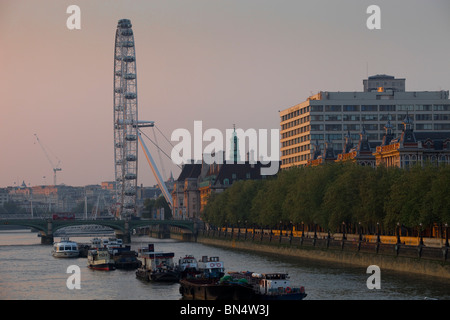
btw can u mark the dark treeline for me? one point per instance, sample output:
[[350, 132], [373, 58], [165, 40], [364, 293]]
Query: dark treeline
[[337, 196]]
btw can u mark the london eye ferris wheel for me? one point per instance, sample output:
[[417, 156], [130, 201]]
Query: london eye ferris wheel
[[125, 120], [126, 126]]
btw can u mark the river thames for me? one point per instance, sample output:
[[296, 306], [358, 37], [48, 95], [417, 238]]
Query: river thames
[[28, 271]]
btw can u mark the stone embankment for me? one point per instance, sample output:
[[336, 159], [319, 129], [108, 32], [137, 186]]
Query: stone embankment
[[407, 255]]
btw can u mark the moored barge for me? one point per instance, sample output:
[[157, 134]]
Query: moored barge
[[242, 286], [213, 289], [156, 266]]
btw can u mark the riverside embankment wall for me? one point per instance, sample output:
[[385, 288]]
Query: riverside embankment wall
[[430, 261]]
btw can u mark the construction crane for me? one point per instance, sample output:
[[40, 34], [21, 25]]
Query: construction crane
[[55, 168]]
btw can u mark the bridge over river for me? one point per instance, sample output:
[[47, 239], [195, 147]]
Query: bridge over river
[[122, 228]]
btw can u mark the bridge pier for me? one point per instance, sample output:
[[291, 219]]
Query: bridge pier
[[125, 235], [47, 238], [163, 231]]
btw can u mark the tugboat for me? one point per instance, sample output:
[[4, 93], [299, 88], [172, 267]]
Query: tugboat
[[100, 259], [65, 249], [270, 286], [156, 266], [188, 267], [211, 267]]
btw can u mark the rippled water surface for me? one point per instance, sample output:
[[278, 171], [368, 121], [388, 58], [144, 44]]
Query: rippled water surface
[[28, 271]]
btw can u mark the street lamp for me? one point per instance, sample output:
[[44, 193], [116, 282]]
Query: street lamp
[[378, 232], [360, 231], [421, 235], [446, 234], [343, 231]]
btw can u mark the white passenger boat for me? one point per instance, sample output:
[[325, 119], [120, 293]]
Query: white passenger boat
[[65, 249]]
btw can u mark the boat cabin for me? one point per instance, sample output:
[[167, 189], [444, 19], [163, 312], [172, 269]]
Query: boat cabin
[[211, 267], [112, 243], [273, 283], [187, 262], [155, 260], [65, 248], [99, 254]]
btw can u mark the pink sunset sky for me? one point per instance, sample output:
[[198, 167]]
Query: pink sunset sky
[[223, 62]]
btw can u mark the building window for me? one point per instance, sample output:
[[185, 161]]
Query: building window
[[317, 137], [351, 117], [387, 108], [369, 108], [351, 108], [424, 126], [371, 126], [316, 108], [385, 117], [333, 117], [333, 127], [369, 117], [424, 117], [317, 127], [401, 117], [335, 136], [441, 117], [317, 117], [422, 107], [333, 108], [351, 127], [445, 107], [405, 107], [442, 126]]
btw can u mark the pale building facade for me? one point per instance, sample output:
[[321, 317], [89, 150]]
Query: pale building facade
[[330, 116]]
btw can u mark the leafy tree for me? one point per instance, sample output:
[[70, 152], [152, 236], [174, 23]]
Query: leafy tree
[[440, 196], [409, 203], [342, 198]]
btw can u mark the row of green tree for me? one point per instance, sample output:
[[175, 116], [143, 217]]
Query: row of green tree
[[336, 195]]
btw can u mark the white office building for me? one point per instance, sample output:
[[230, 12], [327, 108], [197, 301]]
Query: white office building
[[330, 116]]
